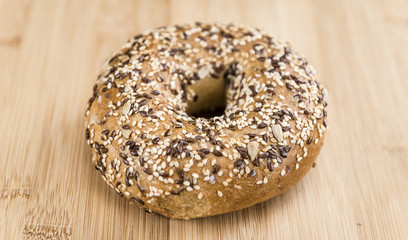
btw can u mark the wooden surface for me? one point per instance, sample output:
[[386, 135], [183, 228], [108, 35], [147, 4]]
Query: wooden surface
[[51, 52]]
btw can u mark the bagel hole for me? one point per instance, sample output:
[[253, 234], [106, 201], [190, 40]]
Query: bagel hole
[[206, 98]]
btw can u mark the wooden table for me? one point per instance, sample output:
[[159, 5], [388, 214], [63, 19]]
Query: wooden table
[[51, 52]]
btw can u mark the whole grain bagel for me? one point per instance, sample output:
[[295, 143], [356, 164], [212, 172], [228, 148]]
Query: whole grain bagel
[[197, 120]]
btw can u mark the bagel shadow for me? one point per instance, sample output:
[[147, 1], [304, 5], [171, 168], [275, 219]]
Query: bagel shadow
[[244, 222]]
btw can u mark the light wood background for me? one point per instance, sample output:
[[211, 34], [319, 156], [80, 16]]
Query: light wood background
[[51, 52]]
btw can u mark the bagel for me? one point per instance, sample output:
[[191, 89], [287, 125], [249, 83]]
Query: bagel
[[196, 120]]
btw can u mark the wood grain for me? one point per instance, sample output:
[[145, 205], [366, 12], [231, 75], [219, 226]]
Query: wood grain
[[51, 52]]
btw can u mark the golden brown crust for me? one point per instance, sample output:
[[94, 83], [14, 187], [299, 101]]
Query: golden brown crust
[[152, 152]]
